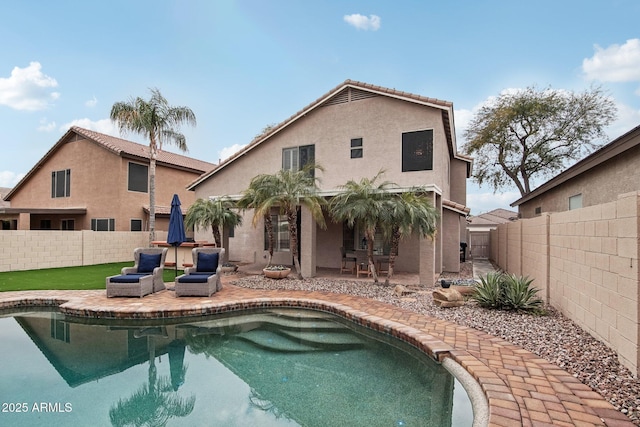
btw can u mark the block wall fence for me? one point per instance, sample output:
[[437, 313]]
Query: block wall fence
[[585, 263], [32, 250]]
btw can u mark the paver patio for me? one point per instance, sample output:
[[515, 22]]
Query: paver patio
[[521, 388]]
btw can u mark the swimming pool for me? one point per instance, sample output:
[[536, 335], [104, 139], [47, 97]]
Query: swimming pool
[[278, 367]]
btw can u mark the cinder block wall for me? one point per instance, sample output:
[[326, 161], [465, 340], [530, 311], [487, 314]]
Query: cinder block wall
[[585, 262], [535, 253], [31, 250]]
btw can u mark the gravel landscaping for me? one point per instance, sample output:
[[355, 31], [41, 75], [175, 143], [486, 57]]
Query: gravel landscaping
[[551, 336]]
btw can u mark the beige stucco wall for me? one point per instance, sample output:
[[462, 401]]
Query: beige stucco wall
[[99, 183], [591, 269], [32, 250], [380, 121], [599, 185]]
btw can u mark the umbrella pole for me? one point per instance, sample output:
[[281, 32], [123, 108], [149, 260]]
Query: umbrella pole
[[176, 266]]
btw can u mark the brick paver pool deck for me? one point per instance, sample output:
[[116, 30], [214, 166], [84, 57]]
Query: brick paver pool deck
[[521, 388]]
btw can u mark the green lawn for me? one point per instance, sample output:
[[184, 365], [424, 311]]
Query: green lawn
[[73, 278]]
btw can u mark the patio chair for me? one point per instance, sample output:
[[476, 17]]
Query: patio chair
[[362, 264], [346, 259], [145, 277], [203, 279]]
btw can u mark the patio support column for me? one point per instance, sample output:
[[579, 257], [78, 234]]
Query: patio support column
[[307, 236], [427, 261], [24, 221]]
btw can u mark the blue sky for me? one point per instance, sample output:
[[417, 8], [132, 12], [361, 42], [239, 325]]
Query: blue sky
[[242, 65]]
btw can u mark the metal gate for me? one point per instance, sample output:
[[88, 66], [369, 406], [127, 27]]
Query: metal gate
[[479, 244]]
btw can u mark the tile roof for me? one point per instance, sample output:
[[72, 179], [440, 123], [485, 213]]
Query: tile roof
[[496, 216], [445, 106], [123, 146], [3, 192], [120, 147]]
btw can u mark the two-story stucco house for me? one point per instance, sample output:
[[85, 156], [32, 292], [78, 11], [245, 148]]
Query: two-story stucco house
[[353, 132], [92, 181]]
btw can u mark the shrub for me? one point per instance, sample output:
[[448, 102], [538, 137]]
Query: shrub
[[507, 292], [518, 293], [488, 293]]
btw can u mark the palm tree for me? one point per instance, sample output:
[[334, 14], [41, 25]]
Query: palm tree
[[154, 403], [361, 204], [289, 189], [259, 197], [155, 120], [403, 214], [213, 213]]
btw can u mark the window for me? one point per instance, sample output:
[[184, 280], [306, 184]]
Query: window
[[417, 151], [280, 234], [61, 183], [538, 210], [575, 202], [103, 224], [297, 158], [356, 148], [68, 224], [138, 177], [45, 224], [136, 225]]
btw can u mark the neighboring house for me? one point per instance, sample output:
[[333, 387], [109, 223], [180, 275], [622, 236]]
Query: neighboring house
[[5, 225], [479, 227], [353, 132], [92, 181], [598, 178]]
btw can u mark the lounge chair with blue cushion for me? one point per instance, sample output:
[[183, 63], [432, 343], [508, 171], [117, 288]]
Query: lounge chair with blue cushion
[[203, 279], [143, 278]]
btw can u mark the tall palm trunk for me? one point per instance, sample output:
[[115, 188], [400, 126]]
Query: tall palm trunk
[[292, 219], [269, 226], [372, 264], [152, 195], [216, 236], [395, 242]]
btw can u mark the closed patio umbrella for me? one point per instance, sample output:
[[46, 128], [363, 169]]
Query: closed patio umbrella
[[176, 235]]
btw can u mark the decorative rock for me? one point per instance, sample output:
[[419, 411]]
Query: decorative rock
[[401, 290], [447, 298]]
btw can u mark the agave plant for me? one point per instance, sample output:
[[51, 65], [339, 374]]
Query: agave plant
[[507, 292], [518, 294], [488, 293]]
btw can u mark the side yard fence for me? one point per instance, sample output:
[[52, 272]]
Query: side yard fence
[[585, 263], [31, 250]]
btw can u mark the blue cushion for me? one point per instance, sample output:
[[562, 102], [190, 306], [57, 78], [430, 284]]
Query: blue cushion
[[127, 278], [207, 262], [148, 262], [194, 278]]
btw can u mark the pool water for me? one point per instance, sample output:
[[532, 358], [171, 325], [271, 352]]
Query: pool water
[[280, 367]]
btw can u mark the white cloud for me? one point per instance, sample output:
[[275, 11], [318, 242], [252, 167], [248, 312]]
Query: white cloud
[[102, 126], [92, 102], [28, 89], [10, 179], [361, 22], [227, 152], [46, 126], [616, 63]]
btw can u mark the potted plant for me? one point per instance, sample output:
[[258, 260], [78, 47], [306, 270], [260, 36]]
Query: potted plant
[[276, 271], [445, 283]]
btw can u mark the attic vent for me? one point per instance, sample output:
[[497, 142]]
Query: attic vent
[[357, 94], [340, 98]]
